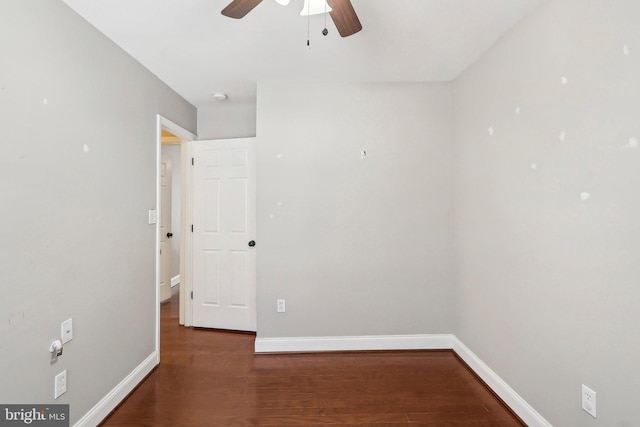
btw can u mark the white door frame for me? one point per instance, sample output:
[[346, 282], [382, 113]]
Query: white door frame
[[185, 215]]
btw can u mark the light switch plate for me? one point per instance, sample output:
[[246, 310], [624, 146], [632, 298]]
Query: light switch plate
[[66, 332], [153, 216]]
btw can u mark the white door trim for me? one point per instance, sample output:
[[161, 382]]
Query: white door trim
[[179, 131]]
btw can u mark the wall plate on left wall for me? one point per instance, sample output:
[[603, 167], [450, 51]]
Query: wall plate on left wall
[[153, 216]]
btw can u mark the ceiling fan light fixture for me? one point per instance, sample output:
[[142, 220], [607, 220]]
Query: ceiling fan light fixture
[[315, 7], [220, 96]]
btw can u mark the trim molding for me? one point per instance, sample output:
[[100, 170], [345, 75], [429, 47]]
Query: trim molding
[[512, 399], [175, 280], [409, 342], [356, 343], [108, 403]]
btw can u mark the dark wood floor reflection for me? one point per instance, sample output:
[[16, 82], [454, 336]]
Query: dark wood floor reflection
[[210, 378]]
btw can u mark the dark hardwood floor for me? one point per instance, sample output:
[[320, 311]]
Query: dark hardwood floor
[[212, 378]]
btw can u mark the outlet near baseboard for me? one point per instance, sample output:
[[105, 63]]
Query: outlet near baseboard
[[60, 384], [589, 400]]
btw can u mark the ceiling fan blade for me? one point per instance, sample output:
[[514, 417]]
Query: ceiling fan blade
[[344, 16], [239, 8]]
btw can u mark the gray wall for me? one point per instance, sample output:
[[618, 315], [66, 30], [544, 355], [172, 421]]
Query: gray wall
[[75, 239], [546, 282], [356, 247], [228, 119]]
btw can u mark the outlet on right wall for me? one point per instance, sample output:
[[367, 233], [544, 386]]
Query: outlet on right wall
[[547, 209]]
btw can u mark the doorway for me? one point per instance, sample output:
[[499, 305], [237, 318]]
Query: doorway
[[240, 154], [170, 232], [170, 134]]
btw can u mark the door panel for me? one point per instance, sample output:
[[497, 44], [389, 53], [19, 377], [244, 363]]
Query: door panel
[[238, 266], [211, 201], [165, 227], [224, 222], [238, 205], [211, 277]]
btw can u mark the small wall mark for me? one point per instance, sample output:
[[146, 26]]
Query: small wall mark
[[584, 196], [534, 166], [625, 50], [632, 144], [517, 110], [16, 318], [490, 131], [279, 156], [85, 148], [564, 80], [562, 136]]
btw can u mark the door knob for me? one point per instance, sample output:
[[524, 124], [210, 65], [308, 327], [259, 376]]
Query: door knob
[[169, 235], [252, 243]]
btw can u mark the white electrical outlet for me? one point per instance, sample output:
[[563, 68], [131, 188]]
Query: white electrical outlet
[[589, 400], [153, 216], [281, 306], [66, 331], [60, 384]]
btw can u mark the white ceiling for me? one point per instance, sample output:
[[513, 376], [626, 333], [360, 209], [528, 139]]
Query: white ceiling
[[197, 51]]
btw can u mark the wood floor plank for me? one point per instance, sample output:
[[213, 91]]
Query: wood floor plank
[[213, 378]]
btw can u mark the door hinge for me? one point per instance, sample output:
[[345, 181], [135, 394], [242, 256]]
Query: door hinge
[[191, 294], [192, 161], [192, 228], [160, 251]]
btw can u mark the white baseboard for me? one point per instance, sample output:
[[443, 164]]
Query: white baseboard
[[409, 342], [361, 343], [512, 399], [175, 280], [108, 403]]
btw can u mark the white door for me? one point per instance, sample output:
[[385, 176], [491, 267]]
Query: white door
[[224, 257], [165, 229]]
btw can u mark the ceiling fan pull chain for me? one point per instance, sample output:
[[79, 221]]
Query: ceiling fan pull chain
[[308, 32], [324, 30]]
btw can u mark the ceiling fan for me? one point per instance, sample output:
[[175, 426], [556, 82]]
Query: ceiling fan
[[341, 12]]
